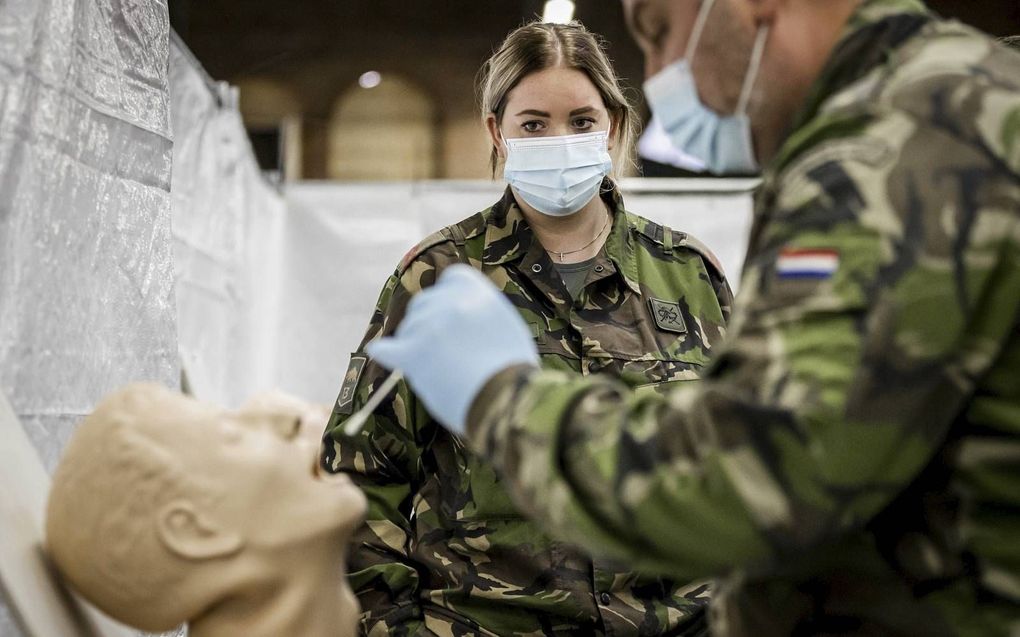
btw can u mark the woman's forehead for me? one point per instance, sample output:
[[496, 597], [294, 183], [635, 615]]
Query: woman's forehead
[[556, 86]]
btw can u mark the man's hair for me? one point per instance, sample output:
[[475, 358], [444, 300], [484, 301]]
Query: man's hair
[[107, 491], [1012, 41]]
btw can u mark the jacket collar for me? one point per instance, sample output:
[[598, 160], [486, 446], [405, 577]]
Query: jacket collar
[[508, 237]]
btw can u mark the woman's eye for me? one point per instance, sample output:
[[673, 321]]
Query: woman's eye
[[532, 127], [583, 123]]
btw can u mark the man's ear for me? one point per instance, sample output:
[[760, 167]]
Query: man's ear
[[188, 534], [495, 135]]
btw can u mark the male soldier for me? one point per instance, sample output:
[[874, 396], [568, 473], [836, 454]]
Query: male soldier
[[851, 462]]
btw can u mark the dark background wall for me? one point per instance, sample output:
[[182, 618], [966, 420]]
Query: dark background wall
[[309, 54]]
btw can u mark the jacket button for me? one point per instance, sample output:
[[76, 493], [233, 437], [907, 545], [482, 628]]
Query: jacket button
[[536, 268], [600, 268], [604, 599]]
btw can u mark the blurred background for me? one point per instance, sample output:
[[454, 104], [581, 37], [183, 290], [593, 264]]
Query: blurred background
[[384, 89]]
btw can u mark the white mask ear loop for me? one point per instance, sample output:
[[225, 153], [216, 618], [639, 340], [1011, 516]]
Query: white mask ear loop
[[757, 53], [699, 26]]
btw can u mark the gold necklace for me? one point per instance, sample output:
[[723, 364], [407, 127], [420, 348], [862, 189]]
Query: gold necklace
[[560, 255]]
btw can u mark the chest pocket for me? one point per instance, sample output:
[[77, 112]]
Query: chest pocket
[[645, 342]]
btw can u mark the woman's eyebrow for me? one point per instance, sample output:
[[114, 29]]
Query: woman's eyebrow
[[573, 113], [532, 112]]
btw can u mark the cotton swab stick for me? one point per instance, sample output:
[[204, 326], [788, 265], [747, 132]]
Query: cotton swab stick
[[358, 419]]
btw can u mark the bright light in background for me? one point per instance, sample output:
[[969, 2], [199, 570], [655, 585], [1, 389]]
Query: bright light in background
[[558, 11], [370, 79]]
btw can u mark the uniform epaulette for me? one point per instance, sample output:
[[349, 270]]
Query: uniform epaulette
[[671, 239], [660, 235], [454, 234]]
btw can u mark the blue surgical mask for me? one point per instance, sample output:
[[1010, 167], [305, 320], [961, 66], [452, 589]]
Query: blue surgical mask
[[558, 176], [722, 143]]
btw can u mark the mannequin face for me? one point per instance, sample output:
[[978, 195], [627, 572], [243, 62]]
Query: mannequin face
[[262, 460]]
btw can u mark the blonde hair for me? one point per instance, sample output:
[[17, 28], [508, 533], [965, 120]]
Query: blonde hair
[[541, 45]]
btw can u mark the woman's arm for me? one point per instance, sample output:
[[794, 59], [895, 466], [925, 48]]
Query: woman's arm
[[381, 460]]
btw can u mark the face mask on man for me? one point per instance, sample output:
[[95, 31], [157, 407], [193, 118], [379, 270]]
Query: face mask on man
[[558, 176], [723, 143]]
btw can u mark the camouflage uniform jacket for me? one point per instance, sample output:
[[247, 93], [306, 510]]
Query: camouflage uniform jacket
[[445, 551], [850, 462]]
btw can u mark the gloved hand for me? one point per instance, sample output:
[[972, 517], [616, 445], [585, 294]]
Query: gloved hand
[[455, 336]]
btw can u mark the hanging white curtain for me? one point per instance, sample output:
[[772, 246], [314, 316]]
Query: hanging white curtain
[[227, 231], [86, 273]]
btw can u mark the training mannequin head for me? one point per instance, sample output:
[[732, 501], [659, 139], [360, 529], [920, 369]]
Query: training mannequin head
[[165, 510]]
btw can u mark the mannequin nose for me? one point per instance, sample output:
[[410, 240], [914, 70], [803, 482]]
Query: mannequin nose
[[313, 423]]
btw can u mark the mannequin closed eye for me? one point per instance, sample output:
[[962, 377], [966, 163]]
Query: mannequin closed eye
[[288, 428], [285, 422]]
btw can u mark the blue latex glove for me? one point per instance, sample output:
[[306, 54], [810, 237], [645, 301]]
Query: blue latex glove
[[455, 336]]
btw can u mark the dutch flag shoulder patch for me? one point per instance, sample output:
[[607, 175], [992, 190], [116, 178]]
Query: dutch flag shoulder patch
[[807, 264]]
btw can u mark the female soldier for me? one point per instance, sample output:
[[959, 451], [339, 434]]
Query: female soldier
[[444, 551]]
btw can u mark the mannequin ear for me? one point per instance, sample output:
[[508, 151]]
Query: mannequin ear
[[496, 135], [193, 536]]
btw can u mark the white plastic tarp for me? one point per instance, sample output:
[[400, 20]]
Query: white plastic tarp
[[226, 230], [86, 273]]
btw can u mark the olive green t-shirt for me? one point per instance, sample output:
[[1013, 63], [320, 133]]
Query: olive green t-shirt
[[574, 275]]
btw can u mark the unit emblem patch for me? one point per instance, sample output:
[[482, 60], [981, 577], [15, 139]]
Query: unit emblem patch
[[668, 316], [345, 401]]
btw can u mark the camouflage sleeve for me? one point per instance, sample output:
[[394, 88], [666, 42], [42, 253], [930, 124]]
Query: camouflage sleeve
[[381, 460], [716, 276], [870, 301], [722, 292]]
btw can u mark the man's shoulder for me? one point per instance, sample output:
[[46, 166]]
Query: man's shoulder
[[950, 81], [947, 50], [957, 78]]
